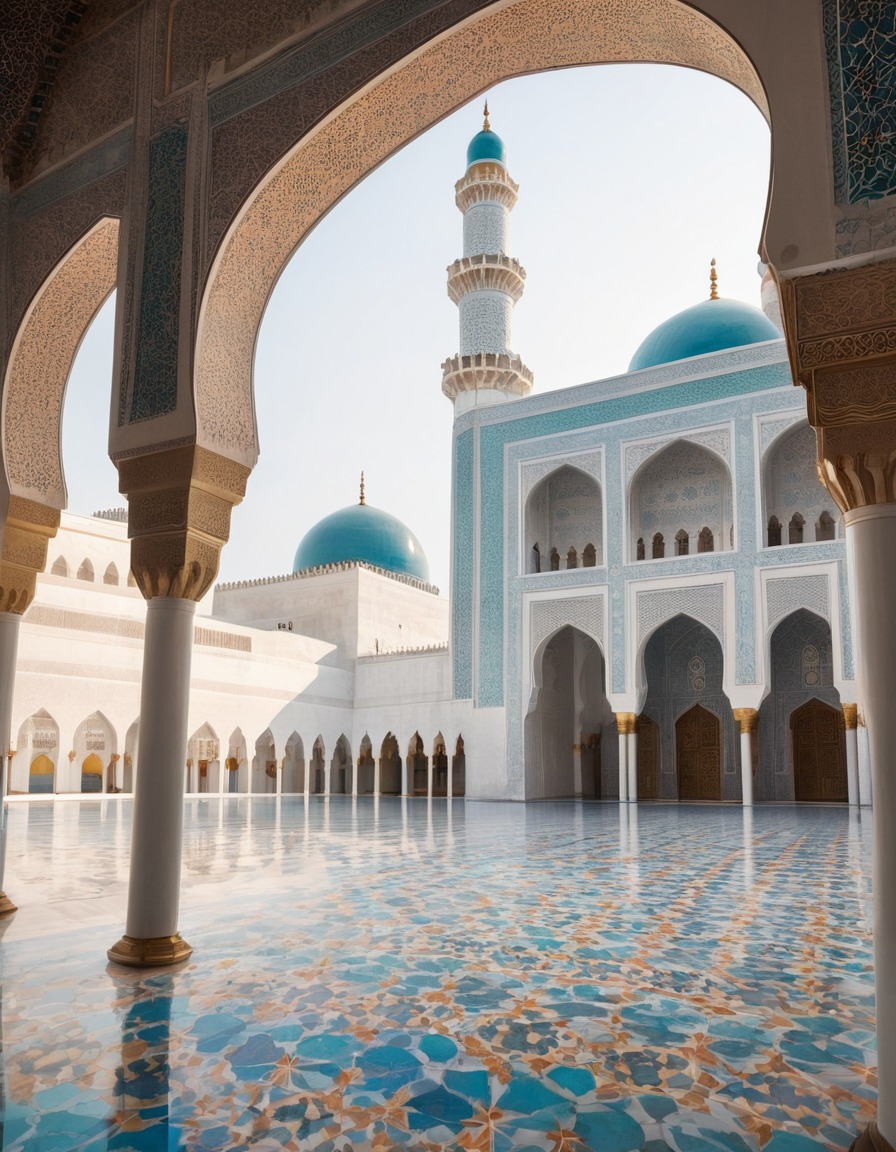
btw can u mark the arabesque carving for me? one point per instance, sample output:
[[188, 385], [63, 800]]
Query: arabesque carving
[[841, 337], [29, 528], [179, 517]]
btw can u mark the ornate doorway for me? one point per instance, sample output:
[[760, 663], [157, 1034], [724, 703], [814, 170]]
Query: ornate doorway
[[648, 758], [698, 748], [818, 740]]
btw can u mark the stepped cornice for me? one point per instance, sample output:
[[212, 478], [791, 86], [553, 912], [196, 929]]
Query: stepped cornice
[[486, 183], [500, 372]]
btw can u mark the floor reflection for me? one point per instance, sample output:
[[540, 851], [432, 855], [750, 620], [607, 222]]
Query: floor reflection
[[413, 974]]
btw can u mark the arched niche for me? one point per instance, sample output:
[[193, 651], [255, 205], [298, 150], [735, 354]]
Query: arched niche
[[680, 502], [265, 765], [35, 762], [85, 572], [110, 576], [440, 766], [236, 765], [564, 515], [294, 765], [797, 508], [204, 759], [390, 766], [801, 669], [318, 767], [95, 744], [366, 767], [459, 768], [570, 706], [341, 767], [60, 567], [503, 41], [684, 668]]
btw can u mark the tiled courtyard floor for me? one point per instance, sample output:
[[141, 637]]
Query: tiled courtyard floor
[[409, 975]]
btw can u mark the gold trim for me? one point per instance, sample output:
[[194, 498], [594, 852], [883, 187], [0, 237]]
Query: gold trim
[[850, 716], [747, 718], [625, 722], [486, 127], [6, 905], [153, 952], [871, 1141]]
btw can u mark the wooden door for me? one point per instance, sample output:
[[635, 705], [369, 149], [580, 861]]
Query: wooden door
[[818, 740], [648, 758], [698, 746]]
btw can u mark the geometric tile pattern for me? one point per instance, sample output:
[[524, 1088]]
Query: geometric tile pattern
[[557, 977]]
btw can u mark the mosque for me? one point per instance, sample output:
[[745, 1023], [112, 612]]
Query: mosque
[[649, 597]]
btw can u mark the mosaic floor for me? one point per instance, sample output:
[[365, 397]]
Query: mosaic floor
[[487, 977]]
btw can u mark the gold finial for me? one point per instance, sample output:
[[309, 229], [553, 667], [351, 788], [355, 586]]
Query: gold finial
[[713, 280], [486, 127], [362, 500]]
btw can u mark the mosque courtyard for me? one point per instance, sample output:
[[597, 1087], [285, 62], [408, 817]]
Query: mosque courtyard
[[412, 974]]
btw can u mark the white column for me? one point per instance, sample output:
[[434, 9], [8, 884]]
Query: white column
[[307, 788], [355, 774], [328, 770], [747, 718], [404, 776], [850, 719], [449, 788], [376, 776], [429, 777], [151, 935], [873, 533], [632, 752], [9, 646], [623, 756]]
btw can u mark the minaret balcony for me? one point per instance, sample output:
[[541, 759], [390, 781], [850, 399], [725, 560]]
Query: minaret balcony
[[498, 371], [486, 273], [486, 183]]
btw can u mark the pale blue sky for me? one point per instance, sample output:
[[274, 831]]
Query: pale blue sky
[[631, 178]]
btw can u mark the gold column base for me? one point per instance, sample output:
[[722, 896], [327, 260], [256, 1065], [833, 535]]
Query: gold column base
[[154, 952], [6, 905], [871, 1141]]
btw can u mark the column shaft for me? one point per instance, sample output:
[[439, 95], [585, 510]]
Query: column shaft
[[623, 768], [873, 533], [151, 934], [632, 754], [9, 646], [850, 718]]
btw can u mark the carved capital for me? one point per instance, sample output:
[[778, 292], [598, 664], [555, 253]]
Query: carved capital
[[747, 718], [28, 530], [179, 503], [850, 715], [841, 337], [625, 722]]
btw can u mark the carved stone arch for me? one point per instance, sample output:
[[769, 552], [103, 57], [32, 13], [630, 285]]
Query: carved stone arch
[[564, 514], [791, 487], [263, 229], [548, 617], [41, 359]]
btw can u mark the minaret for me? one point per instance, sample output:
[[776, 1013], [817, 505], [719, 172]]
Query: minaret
[[485, 283]]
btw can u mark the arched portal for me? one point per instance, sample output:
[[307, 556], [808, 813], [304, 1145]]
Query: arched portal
[[684, 666], [366, 767], [95, 743], [698, 754], [459, 769], [258, 229], [570, 703], [204, 758], [439, 766], [390, 767], [237, 763], [681, 494], [564, 513], [264, 777], [801, 664], [818, 740], [294, 766], [418, 767], [341, 767], [318, 767], [38, 743]]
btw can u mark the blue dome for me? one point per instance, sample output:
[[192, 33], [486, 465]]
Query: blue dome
[[486, 145], [360, 532], [710, 326]]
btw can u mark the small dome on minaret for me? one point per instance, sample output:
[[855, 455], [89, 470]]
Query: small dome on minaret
[[485, 283]]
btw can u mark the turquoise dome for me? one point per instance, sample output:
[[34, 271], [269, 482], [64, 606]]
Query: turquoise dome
[[710, 326], [366, 534], [486, 145]]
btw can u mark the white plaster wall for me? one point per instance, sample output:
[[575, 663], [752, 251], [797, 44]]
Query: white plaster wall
[[485, 319], [486, 230]]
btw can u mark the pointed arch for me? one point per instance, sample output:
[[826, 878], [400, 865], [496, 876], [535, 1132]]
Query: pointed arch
[[85, 572], [366, 767], [204, 751], [564, 517], [237, 763], [318, 766], [60, 567], [34, 766], [110, 576]]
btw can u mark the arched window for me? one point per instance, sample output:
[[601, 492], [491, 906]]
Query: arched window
[[572, 560], [85, 572], [555, 560], [563, 511], [60, 568], [640, 553], [682, 543], [589, 556], [659, 546], [790, 482], [111, 575], [774, 532], [826, 528], [795, 529], [705, 542]]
